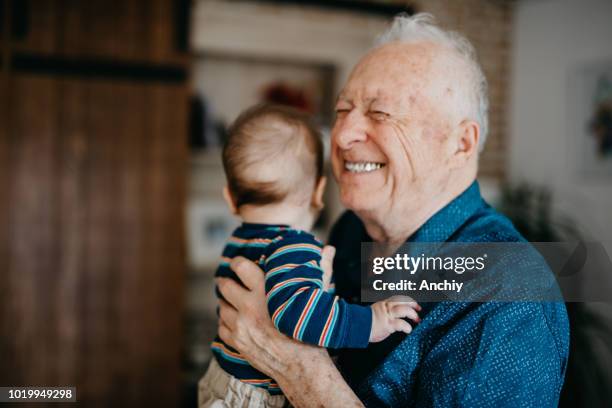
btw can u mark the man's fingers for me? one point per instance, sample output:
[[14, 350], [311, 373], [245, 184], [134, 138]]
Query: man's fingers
[[232, 291], [227, 314], [226, 335], [327, 262], [248, 272], [404, 310], [402, 325]]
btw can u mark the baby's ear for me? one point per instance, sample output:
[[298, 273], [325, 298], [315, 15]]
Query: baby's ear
[[229, 200], [317, 196]]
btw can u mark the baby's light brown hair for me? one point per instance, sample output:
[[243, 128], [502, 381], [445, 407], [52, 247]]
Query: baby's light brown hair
[[272, 153]]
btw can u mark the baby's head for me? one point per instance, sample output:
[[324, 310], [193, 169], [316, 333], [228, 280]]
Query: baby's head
[[273, 161]]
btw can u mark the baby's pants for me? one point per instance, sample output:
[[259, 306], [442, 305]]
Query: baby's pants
[[218, 389]]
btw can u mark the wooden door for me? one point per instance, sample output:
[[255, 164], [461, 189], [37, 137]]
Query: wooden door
[[93, 163]]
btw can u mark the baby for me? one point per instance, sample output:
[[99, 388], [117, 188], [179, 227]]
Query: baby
[[273, 161]]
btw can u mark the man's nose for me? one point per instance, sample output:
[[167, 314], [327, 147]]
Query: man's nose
[[350, 129]]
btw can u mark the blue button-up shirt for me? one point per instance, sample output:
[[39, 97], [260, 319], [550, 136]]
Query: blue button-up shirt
[[493, 354]]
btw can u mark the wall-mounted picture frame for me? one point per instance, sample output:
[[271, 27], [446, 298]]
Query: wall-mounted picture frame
[[591, 120], [227, 84]]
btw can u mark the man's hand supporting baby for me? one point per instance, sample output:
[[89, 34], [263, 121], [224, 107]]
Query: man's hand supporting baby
[[305, 373]]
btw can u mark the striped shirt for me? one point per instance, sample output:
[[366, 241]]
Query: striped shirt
[[297, 302]]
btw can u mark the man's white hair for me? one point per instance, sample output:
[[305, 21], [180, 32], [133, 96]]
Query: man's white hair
[[421, 28]]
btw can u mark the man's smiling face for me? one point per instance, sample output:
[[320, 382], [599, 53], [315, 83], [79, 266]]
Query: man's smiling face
[[393, 119]]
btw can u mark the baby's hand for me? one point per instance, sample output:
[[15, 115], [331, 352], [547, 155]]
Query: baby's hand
[[387, 318]]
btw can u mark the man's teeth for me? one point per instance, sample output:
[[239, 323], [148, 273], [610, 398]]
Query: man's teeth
[[362, 167]]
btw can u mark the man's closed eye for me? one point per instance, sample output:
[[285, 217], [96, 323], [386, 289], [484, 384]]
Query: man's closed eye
[[342, 111], [379, 115]]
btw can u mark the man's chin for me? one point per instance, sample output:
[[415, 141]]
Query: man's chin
[[357, 202]]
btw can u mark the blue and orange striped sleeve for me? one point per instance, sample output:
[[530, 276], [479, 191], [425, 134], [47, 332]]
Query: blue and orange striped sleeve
[[299, 306]]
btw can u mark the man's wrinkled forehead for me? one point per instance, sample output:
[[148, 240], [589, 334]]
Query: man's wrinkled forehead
[[390, 68], [368, 95]]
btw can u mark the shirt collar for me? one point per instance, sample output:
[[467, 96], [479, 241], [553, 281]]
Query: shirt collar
[[443, 224]]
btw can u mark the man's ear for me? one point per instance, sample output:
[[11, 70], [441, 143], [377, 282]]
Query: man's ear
[[317, 195], [466, 142], [229, 200]]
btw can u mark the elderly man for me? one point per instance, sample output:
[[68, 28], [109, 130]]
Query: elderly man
[[410, 123]]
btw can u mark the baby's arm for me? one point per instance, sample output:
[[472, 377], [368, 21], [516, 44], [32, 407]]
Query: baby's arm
[[301, 308]]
